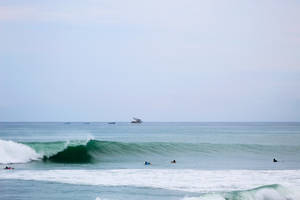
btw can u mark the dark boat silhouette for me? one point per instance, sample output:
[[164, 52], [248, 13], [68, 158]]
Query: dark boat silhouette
[[136, 121]]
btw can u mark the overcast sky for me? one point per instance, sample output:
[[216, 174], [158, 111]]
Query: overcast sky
[[170, 60]]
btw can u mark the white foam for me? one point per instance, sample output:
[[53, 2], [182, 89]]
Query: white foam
[[89, 137], [83, 141], [98, 198], [206, 197], [174, 179], [12, 152], [267, 193], [258, 194]]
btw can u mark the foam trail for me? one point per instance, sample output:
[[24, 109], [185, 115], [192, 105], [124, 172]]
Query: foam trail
[[13, 152], [171, 179]]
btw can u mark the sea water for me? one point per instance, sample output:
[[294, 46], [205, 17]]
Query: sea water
[[96, 161]]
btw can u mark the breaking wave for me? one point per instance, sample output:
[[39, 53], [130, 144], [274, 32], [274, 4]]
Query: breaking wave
[[95, 151], [90, 151], [267, 192], [13, 152]]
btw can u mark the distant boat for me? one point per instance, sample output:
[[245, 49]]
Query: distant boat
[[136, 121], [111, 123]]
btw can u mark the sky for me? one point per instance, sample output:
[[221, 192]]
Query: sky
[[170, 60]]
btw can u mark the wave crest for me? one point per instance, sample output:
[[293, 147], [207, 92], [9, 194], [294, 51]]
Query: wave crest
[[267, 192], [94, 150], [89, 151]]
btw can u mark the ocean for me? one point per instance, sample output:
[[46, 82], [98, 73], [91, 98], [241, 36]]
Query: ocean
[[101, 161]]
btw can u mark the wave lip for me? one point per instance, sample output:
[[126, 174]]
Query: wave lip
[[13, 152]]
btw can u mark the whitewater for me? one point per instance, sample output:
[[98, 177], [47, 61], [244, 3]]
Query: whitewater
[[12, 152], [215, 161], [184, 180]]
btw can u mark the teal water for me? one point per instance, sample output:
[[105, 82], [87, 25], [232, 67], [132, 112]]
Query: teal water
[[102, 161]]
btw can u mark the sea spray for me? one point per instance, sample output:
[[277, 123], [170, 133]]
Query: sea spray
[[13, 152]]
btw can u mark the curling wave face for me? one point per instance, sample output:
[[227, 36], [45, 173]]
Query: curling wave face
[[96, 151]]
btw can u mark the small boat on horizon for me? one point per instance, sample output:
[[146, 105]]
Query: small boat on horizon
[[111, 123], [136, 121]]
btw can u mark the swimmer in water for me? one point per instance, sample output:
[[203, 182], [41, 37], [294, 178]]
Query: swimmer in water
[[173, 161], [274, 160]]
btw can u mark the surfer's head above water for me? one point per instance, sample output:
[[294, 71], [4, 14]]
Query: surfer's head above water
[[147, 163]]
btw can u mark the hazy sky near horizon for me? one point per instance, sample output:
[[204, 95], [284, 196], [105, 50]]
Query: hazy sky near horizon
[[171, 60]]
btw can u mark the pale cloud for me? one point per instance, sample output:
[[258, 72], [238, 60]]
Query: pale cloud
[[43, 14], [238, 33], [189, 15], [146, 13], [12, 13]]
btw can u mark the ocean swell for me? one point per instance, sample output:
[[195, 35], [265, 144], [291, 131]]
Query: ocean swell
[[97, 151]]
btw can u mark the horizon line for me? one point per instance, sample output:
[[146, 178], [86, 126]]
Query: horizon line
[[151, 121]]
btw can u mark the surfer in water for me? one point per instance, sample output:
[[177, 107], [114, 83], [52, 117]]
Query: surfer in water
[[8, 167], [147, 163], [274, 160], [173, 161]]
